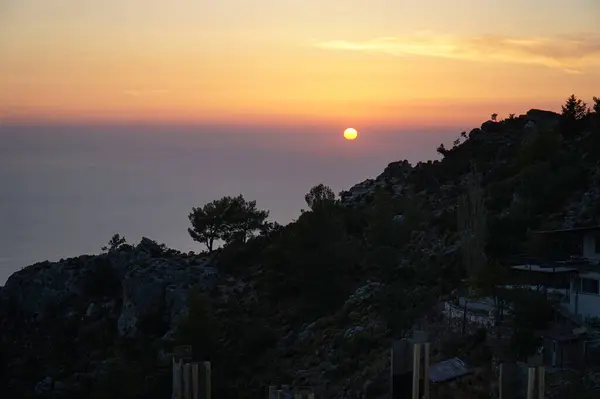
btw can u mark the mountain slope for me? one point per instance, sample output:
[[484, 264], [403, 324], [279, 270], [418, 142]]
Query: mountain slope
[[316, 302]]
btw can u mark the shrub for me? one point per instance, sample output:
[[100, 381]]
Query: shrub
[[199, 327]]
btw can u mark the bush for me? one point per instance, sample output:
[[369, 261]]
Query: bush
[[531, 313], [544, 147], [199, 327], [116, 243]]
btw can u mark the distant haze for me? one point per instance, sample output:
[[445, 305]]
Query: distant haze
[[66, 190]]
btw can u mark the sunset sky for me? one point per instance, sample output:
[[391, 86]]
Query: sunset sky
[[240, 61]]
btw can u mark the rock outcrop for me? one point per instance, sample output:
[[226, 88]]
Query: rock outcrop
[[120, 291]]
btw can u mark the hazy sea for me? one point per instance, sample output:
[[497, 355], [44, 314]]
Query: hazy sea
[[66, 190]]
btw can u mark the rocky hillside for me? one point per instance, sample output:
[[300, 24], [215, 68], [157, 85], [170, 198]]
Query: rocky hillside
[[316, 302]]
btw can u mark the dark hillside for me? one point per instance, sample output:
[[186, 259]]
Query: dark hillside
[[316, 302]]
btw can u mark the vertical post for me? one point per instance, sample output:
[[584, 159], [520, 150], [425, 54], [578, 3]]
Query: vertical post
[[195, 381], [174, 372], [208, 372], [201, 380], [311, 395], [541, 382], [187, 386], [427, 347], [179, 391], [272, 393], [416, 370], [531, 383], [279, 394]]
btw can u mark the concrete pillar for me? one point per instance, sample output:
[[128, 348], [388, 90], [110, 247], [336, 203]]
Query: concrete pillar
[[531, 383], [208, 382], [416, 370], [541, 382]]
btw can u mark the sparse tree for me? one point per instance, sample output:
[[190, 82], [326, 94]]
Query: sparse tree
[[596, 106], [442, 150], [494, 117], [319, 195], [575, 109], [116, 242], [227, 219], [246, 220]]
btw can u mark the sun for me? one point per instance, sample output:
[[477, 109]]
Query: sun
[[350, 134]]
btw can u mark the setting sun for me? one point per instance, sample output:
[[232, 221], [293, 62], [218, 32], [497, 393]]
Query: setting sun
[[350, 134]]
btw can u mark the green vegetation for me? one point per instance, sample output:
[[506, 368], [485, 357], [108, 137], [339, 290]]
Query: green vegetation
[[228, 219], [199, 327], [319, 195], [116, 243]]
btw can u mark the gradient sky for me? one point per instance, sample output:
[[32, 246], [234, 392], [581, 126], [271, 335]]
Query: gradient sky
[[353, 62]]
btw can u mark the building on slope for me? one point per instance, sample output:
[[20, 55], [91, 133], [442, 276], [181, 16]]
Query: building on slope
[[566, 264]]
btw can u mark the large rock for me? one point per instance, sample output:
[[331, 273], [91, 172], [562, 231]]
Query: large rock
[[146, 284], [159, 289], [545, 120]]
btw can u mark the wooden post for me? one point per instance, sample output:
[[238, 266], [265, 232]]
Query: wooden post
[[541, 382], [174, 385], [208, 386], [421, 348], [187, 383], [180, 353], [416, 370], [531, 383], [178, 380], [427, 347], [195, 381]]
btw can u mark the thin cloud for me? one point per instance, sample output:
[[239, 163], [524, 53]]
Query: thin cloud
[[568, 53], [140, 93]]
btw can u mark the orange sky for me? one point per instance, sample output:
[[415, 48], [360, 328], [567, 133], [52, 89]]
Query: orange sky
[[364, 62]]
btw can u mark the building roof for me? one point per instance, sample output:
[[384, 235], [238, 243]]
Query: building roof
[[545, 269], [448, 370], [571, 230]]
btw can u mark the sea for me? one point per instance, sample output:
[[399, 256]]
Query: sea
[[66, 189]]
